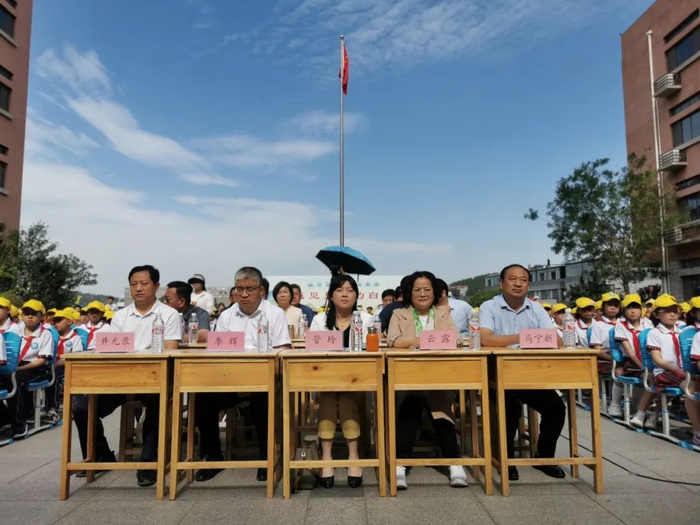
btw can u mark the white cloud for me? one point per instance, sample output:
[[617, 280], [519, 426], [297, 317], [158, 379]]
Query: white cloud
[[207, 179], [80, 71], [206, 24], [323, 122], [44, 138]]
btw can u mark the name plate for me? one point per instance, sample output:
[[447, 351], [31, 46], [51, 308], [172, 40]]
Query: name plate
[[114, 342], [438, 340], [324, 340], [538, 338], [226, 341]]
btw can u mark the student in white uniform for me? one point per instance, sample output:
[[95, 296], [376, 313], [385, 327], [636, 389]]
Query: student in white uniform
[[600, 340], [36, 350], [5, 319], [69, 341], [585, 320], [557, 312], [244, 317], [96, 322], [694, 314], [137, 318]]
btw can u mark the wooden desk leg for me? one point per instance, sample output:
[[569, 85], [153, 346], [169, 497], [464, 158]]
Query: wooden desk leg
[[286, 424], [271, 405], [123, 425], [190, 434], [502, 433], [67, 433], [573, 431], [92, 418], [162, 430], [595, 428], [379, 409], [463, 423], [391, 423], [176, 432], [486, 426], [474, 422], [533, 429]]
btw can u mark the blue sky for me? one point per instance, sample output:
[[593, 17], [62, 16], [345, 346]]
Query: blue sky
[[201, 135]]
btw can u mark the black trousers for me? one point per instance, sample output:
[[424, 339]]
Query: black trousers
[[52, 393], [108, 403], [17, 404], [409, 419], [207, 408], [551, 408]]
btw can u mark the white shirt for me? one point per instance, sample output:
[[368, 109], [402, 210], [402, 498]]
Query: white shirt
[[6, 325], [622, 333], [204, 300], [3, 355], [319, 323], [96, 329], [601, 333], [660, 339], [41, 345], [128, 319], [234, 320], [582, 333], [695, 348], [72, 342], [647, 323]]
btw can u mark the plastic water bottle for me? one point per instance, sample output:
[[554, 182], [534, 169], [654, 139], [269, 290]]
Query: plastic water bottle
[[193, 328], [356, 332], [569, 331], [263, 334], [158, 335], [377, 322], [303, 327], [474, 331]]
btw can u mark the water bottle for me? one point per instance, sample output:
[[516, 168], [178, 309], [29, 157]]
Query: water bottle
[[356, 332], [263, 334], [377, 322], [303, 327], [193, 328], [569, 331], [158, 335], [474, 331]]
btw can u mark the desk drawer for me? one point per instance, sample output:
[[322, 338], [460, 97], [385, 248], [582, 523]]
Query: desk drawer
[[333, 375], [224, 376], [547, 373], [442, 374], [116, 377]]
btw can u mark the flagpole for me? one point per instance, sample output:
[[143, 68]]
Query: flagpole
[[342, 146]]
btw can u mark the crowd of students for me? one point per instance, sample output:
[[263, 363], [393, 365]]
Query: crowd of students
[[420, 303]]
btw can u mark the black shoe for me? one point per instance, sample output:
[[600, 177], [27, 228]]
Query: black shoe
[[329, 482], [513, 474], [109, 457], [262, 474], [146, 478], [205, 474], [81, 474], [553, 471], [354, 481]]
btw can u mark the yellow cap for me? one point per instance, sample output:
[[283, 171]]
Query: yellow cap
[[610, 296], [632, 298], [650, 302], [686, 307], [584, 302], [109, 314], [52, 311], [5, 303], [664, 301], [599, 305], [695, 302], [35, 305], [66, 313], [574, 310], [108, 308], [14, 311], [97, 305], [76, 314], [558, 308], [546, 306]]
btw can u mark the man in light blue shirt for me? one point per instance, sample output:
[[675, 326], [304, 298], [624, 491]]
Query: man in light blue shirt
[[502, 318], [459, 310]]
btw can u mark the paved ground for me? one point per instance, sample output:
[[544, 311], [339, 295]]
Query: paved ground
[[29, 492]]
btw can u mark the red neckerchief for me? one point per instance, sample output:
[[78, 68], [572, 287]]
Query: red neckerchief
[[62, 341], [677, 346], [91, 332], [583, 326], [635, 338], [25, 350], [606, 321]]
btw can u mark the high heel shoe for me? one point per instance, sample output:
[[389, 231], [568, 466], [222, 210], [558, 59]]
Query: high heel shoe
[[354, 481], [328, 482]]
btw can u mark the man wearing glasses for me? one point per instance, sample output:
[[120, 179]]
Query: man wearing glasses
[[244, 316]]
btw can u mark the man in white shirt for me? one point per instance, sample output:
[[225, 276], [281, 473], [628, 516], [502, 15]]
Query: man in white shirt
[[137, 318], [112, 305], [200, 297], [244, 317]]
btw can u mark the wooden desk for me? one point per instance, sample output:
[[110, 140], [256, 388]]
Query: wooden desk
[[199, 371], [410, 370], [512, 369], [92, 374], [313, 371]]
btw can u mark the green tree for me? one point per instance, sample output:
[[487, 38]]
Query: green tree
[[34, 269], [482, 296], [611, 217], [591, 285]]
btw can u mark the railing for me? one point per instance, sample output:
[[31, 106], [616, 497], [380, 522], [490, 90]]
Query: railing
[[667, 85], [683, 233], [672, 160]]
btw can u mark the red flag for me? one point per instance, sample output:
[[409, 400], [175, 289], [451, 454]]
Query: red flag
[[345, 72]]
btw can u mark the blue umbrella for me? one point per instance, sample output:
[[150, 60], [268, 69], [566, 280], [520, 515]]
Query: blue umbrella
[[349, 260]]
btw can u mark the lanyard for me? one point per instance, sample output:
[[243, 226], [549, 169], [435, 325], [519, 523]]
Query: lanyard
[[417, 322]]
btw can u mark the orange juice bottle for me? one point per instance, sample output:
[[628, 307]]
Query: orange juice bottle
[[372, 339]]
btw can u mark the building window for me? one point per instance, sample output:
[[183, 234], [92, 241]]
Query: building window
[[690, 206], [554, 276], [3, 149], [541, 276], [688, 183], [3, 170], [682, 26], [685, 104], [7, 21], [5, 97], [683, 50], [686, 129]]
